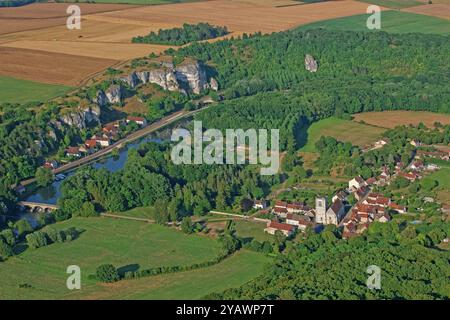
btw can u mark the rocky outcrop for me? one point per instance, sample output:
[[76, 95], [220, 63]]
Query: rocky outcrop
[[188, 77], [115, 94], [192, 76], [213, 84], [101, 100], [82, 117], [310, 63]]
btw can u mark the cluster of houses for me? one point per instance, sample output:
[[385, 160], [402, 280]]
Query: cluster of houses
[[109, 134]]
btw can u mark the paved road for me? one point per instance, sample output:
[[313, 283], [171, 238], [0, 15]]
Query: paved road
[[119, 144]]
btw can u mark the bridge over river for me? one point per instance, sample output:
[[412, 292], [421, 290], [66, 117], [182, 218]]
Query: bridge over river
[[37, 207]]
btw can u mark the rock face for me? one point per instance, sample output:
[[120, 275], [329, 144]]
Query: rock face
[[189, 77], [114, 94], [82, 117], [101, 99], [310, 63], [192, 76]]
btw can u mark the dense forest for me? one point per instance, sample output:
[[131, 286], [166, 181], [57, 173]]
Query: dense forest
[[179, 36], [411, 266], [150, 178]]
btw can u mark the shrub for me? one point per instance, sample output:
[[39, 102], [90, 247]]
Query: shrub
[[107, 273]]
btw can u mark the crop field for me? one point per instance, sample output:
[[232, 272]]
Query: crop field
[[21, 91], [126, 244], [391, 119], [395, 4], [52, 68], [342, 130], [391, 21], [441, 10]]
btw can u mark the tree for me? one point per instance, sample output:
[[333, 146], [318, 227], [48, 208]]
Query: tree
[[44, 176], [107, 273], [5, 250], [186, 225], [23, 227], [36, 240]]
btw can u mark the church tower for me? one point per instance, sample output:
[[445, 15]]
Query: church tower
[[321, 210]]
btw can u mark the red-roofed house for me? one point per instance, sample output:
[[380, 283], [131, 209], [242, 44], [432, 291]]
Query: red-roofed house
[[285, 228], [73, 152], [356, 183], [281, 212], [139, 120], [300, 222]]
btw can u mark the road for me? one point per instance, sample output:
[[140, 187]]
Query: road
[[120, 143]]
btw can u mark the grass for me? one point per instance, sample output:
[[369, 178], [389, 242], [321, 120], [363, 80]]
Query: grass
[[252, 229], [141, 2], [391, 119], [343, 130], [22, 91], [123, 243], [230, 273], [395, 4], [391, 21]]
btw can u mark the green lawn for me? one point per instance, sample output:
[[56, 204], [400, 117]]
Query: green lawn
[[105, 240], [252, 229], [21, 91], [391, 21], [230, 273], [342, 130], [395, 4], [442, 176]]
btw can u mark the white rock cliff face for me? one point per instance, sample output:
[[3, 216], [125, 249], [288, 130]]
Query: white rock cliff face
[[190, 77], [82, 117]]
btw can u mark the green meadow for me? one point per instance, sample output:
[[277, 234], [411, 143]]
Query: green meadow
[[391, 21], [395, 4], [22, 91], [342, 130]]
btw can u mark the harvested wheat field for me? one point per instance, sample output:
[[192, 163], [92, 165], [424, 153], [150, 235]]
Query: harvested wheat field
[[238, 16], [391, 119], [47, 67], [441, 10], [41, 15], [115, 51]]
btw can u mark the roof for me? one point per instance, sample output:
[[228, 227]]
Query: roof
[[359, 179], [279, 210], [295, 217], [91, 143], [337, 206], [281, 226], [73, 150], [135, 118], [281, 204]]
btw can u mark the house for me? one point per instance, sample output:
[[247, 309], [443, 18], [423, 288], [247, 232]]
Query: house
[[383, 217], [301, 222], [356, 183], [417, 165], [281, 212], [371, 181], [432, 167], [259, 204], [350, 230], [274, 226], [111, 129], [138, 120], [397, 207], [297, 207], [50, 164], [411, 176], [399, 166], [102, 140], [90, 144], [382, 142], [341, 195], [333, 215], [73, 152], [281, 204], [361, 193]]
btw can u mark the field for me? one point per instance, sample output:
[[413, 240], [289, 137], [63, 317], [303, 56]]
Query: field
[[252, 229], [128, 245], [391, 119], [342, 130], [46, 51], [391, 21], [436, 9], [21, 91], [395, 4], [52, 68]]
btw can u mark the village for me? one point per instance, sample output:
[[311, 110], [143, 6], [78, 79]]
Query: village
[[370, 206]]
